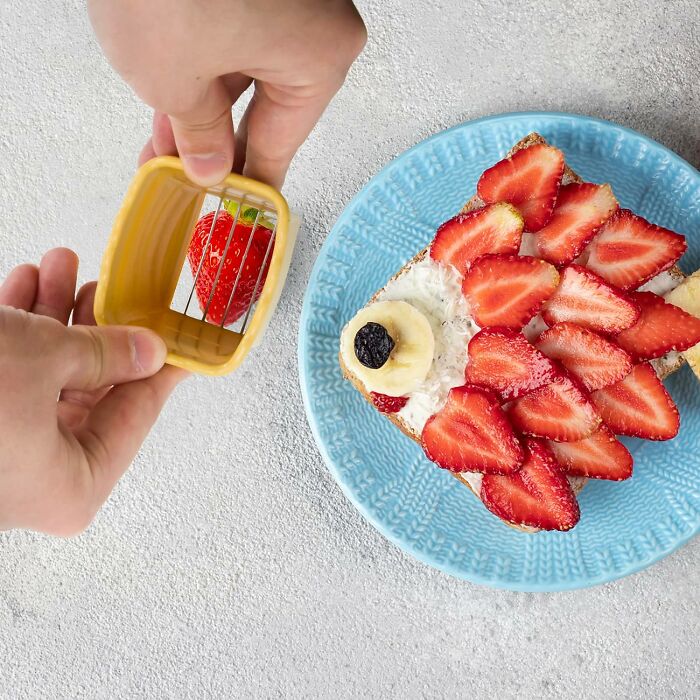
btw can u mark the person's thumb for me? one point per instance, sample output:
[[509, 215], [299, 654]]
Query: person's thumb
[[95, 357], [204, 136]]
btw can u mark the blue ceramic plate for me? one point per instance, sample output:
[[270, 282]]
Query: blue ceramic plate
[[625, 526]]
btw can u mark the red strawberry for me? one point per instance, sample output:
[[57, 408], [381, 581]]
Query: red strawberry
[[472, 434], [581, 209], [584, 298], [231, 265], [600, 456], [557, 411], [529, 179], [493, 229], [539, 495], [628, 250], [502, 360], [508, 290], [660, 327], [593, 360], [388, 404], [639, 405]]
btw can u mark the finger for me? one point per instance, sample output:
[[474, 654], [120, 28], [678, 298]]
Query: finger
[[83, 311], [163, 137], [241, 143], [204, 135], [58, 272], [278, 120], [147, 153], [74, 405], [90, 358], [114, 430], [19, 288]]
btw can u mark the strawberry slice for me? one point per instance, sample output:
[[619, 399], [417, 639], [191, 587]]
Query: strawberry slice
[[660, 327], [586, 299], [539, 495], [628, 250], [600, 456], [558, 411], [213, 253], [639, 406], [502, 360], [581, 209], [529, 179], [595, 361], [508, 290], [388, 404], [492, 229], [472, 434]]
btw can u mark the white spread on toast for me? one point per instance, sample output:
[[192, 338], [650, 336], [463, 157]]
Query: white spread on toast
[[662, 284], [528, 245], [436, 291]]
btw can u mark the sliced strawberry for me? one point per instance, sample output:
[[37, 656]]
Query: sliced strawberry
[[639, 405], [557, 411], [508, 290], [660, 327], [529, 179], [497, 228], [584, 298], [600, 456], [472, 434], [539, 495], [388, 404], [581, 209], [628, 250], [595, 361], [502, 360]]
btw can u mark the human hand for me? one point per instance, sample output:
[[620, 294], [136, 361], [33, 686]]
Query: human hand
[[77, 401], [191, 61]]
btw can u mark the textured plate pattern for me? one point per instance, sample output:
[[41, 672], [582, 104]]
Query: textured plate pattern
[[624, 527]]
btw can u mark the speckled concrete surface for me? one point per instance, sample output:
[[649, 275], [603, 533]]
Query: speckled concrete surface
[[227, 563]]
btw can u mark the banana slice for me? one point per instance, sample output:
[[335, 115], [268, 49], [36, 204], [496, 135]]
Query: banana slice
[[687, 296], [389, 346]]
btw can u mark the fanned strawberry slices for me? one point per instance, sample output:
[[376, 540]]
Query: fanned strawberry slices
[[529, 179], [629, 251], [465, 237], [600, 456], [508, 290], [593, 360], [538, 495], [502, 360], [582, 208], [557, 411], [471, 433], [587, 300], [660, 327], [639, 406]]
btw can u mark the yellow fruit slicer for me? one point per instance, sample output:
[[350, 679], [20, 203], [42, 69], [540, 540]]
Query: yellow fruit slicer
[[144, 281]]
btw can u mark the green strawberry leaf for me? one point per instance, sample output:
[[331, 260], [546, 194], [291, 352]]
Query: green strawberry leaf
[[248, 215]]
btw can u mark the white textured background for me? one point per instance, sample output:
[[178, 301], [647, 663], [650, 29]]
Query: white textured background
[[227, 563]]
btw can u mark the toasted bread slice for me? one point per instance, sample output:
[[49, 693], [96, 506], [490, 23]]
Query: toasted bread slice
[[664, 365]]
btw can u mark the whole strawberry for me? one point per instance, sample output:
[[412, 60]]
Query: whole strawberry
[[231, 265]]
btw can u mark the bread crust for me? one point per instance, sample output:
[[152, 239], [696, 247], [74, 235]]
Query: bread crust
[[664, 365]]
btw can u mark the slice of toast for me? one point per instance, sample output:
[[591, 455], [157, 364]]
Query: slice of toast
[[664, 365]]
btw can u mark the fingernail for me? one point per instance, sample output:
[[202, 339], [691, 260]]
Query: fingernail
[[207, 169], [148, 351]]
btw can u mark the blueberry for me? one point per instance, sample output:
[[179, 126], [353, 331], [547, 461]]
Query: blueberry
[[373, 345]]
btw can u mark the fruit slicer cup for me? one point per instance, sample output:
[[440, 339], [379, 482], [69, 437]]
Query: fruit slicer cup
[[145, 256]]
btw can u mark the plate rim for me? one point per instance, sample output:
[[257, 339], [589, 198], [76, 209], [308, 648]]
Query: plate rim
[[303, 373]]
